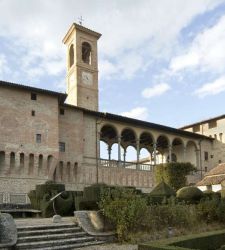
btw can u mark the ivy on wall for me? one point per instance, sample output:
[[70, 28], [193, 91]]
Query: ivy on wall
[[174, 173]]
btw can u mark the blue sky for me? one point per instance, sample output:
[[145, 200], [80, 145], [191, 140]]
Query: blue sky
[[161, 61]]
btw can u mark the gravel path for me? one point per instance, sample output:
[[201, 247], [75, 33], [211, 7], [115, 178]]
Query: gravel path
[[110, 247]]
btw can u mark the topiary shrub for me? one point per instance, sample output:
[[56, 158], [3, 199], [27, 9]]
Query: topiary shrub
[[161, 193], [174, 173], [190, 194]]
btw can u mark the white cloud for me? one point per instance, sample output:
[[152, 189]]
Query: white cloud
[[206, 51], [131, 36], [4, 68], [212, 88], [156, 90], [140, 113]]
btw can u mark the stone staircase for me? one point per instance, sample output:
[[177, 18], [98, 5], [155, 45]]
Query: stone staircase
[[53, 236]]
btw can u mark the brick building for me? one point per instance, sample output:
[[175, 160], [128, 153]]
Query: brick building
[[47, 135]]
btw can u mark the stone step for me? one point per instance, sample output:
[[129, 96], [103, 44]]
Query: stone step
[[46, 236], [54, 243], [42, 227], [24, 233], [72, 246]]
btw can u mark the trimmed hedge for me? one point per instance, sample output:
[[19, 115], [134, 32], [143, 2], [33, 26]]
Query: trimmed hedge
[[160, 192], [210, 241], [190, 194]]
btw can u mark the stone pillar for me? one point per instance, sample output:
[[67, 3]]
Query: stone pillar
[[124, 157], [98, 153], [138, 152], [197, 151], [119, 149], [170, 152], [184, 154], [154, 152], [109, 152]]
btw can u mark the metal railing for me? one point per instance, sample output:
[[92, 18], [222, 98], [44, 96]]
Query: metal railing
[[125, 164]]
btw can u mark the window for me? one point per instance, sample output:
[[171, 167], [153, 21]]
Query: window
[[196, 128], [33, 113], [33, 96], [71, 56], [206, 169], [86, 52], [38, 138], [220, 161], [62, 147], [211, 156], [206, 156], [212, 124], [62, 111]]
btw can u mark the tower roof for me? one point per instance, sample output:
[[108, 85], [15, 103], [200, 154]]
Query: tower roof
[[81, 28]]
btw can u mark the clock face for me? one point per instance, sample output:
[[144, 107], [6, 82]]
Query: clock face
[[87, 78]]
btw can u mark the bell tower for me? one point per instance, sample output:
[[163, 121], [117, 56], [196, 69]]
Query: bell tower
[[82, 67]]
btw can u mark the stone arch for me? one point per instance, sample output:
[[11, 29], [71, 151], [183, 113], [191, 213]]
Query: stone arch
[[178, 150], [162, 148], [86, 52], [2, 160], [128, 137], [71, 55], [40, 164], [12, 160], [109, 134], [75, 171], [60, 174], [49, 164], [131, 154], [146, 140], [31, 164], [68, 171], [104, 150], [22, 161]]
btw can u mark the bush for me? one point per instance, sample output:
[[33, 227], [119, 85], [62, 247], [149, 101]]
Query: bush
[[208, 194], [190, 194], [124, 208], [170, 215], [174, 173], [160, 193]]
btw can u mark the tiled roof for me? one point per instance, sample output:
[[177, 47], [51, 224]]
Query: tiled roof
[[214, 176], [114, 117], [62, 96], [204, 121]]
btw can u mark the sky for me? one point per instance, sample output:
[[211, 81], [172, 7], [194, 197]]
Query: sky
[[161, 61]]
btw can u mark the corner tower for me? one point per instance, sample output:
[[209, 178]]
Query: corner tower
[[82, 67]]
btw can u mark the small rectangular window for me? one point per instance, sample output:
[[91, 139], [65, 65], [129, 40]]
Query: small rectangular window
[[206, 156], [206, 169], [33, 96], [62, 147], [211, 156], [221, 136], [33, 113], [38, 138], [62, 111], [212, 124]]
